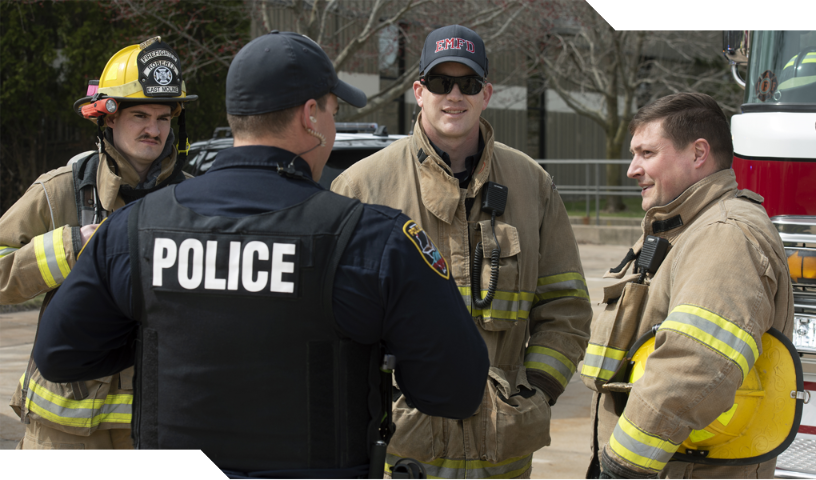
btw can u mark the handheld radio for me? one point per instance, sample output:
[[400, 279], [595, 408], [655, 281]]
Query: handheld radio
[[494, 199], [651, 255]]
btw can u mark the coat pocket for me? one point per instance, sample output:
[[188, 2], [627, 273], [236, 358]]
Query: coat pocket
[[612, 332], [518, 425], [417, 436], [509, 303]]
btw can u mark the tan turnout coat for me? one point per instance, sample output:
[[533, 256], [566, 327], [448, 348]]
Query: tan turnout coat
[[723, 283], [39, 244], [537, 326]]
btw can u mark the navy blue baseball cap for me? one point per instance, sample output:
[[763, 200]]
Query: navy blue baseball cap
[[454, 43], [281, 70]]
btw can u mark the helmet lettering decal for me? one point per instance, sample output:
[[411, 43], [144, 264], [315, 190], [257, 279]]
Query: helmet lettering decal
[[158, 53], [160, 74]]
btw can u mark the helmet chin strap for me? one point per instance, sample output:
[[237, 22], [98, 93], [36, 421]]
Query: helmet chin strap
[[100, 144]]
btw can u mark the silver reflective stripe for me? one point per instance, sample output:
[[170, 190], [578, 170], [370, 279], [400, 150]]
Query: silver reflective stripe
[[534, 355], [506, 305], [717, 332], [86, 413], [603, 363], [565, 285], [83, 413], [7, 251], [640, 448], [447, 468], [51, 258], [511, 306]]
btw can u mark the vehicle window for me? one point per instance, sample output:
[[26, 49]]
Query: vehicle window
[[782, 68]]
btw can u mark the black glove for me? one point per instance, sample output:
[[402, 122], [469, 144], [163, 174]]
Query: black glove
[[612, 469]]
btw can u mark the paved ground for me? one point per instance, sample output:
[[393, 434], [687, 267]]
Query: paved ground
[[568, 454], [16, 338], [567, 457]]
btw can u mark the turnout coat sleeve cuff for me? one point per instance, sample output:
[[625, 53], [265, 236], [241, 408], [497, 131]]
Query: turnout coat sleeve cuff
[[545, 383], [75, 243]]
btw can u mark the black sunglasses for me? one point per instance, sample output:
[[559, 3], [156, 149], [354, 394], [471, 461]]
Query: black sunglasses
[[443, 84]]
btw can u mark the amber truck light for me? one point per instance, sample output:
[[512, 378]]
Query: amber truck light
[[802, 265]]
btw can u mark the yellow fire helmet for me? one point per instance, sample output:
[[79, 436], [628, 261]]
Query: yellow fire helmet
[[149, 72], [766, 413]]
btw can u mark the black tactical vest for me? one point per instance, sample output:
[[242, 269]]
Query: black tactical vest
[[238, 352]]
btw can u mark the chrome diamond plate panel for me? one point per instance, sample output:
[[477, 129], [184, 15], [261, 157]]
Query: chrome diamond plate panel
[[799, 457]]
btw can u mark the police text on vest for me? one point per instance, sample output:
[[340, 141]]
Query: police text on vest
[[195, 262]]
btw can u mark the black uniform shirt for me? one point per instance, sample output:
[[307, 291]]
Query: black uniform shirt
[[384, 290]]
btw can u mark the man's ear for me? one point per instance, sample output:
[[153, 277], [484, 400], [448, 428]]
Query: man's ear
[[702, 153], [307, 112], [487, 91], [418, 93], [110, 120]]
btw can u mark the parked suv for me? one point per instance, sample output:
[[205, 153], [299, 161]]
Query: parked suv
[[354, 141]]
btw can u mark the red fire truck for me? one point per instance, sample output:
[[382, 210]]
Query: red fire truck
[[775, 156]]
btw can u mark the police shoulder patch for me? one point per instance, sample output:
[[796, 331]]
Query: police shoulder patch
[[426, 248]]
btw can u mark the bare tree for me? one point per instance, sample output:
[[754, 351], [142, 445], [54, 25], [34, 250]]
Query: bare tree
[[202, 31], [583, 59], [345, 28]]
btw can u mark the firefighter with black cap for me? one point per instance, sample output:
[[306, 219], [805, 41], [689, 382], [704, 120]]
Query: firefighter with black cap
[[497, 215], [41, 235], [259, 308]]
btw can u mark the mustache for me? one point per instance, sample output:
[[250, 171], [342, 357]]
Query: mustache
[[148, 137]]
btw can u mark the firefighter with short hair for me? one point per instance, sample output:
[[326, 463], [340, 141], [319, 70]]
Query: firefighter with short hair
[[140, 91], [707, 288]]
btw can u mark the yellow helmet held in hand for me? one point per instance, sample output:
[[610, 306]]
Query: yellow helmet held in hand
[[149, 72], [765, 415]]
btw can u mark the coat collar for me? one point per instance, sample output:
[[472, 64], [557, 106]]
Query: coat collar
[[672, 219], [440, 190], [108, 182]]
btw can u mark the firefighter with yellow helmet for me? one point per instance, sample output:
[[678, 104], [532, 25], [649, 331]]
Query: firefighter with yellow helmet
[[706, 289], [140, 91]]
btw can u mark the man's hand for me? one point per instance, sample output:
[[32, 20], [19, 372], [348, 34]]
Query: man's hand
[[86, 232]]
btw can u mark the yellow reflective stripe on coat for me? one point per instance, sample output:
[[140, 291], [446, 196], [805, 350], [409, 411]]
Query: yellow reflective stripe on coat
[[551, 362], [7, 250], [639, 448], [601, 361], [713, 331], [77, 413], [570, 284], [50, 256], [447, 468], [505, 305]]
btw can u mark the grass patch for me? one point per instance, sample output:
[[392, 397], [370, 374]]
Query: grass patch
[[577, 208], [33, 304]]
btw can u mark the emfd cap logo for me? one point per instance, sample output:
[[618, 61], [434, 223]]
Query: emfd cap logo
[[454, 43], [159, 70]]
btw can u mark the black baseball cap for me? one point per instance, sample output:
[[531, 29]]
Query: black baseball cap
[[281, 70], [454, 43]]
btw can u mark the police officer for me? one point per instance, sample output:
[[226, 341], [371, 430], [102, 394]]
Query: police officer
[[256, 304], [139, 93]]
